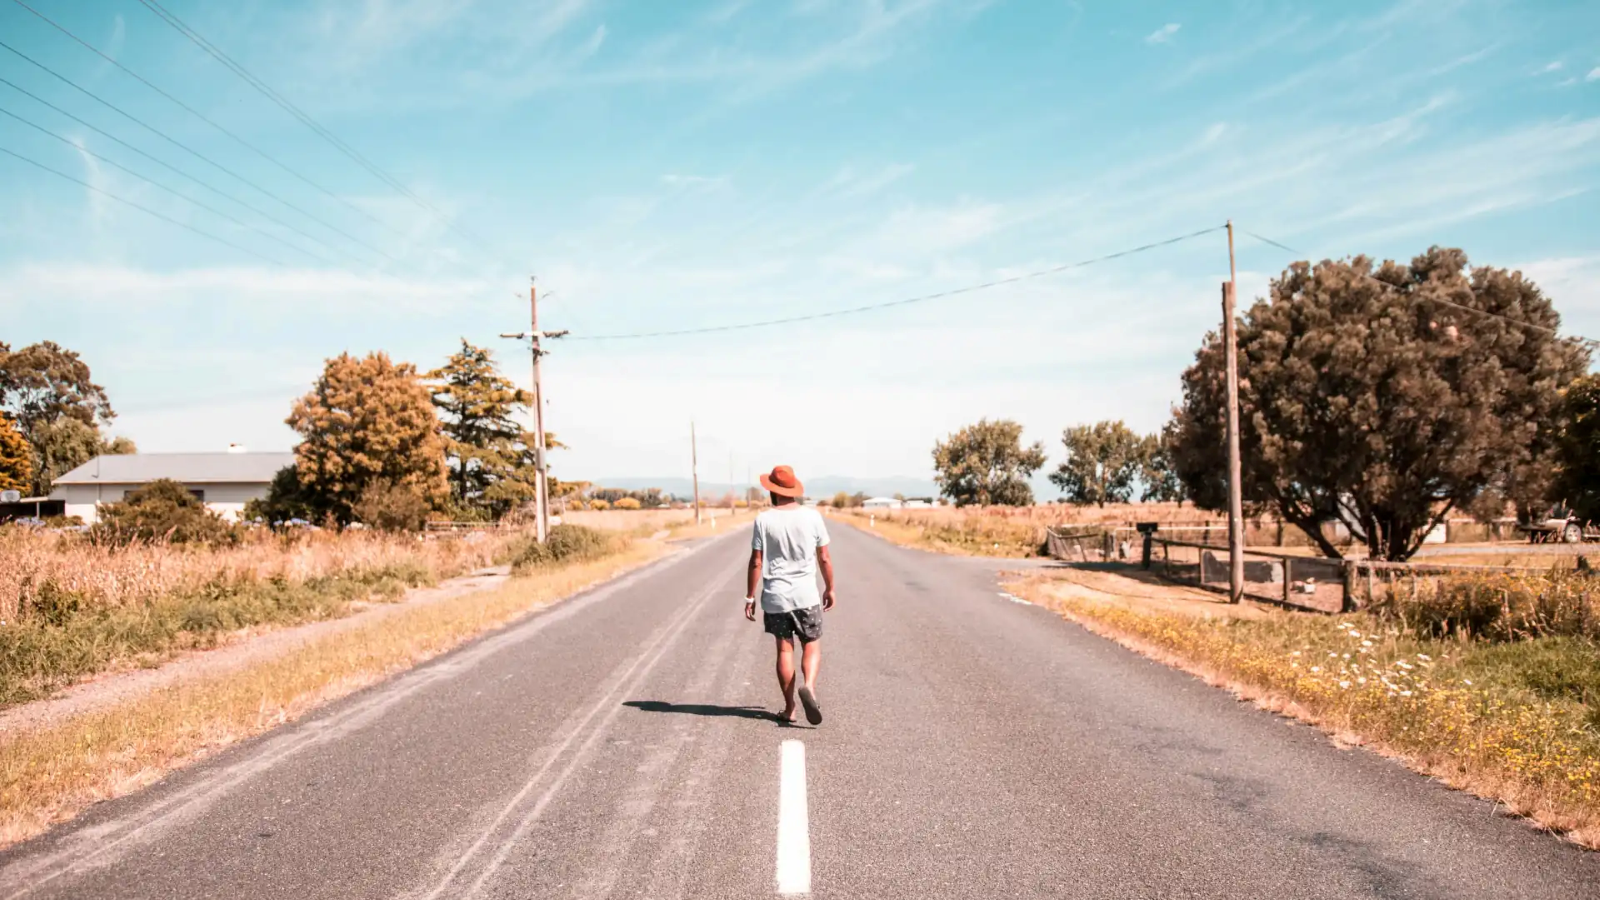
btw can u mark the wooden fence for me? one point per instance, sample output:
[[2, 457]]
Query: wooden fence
[[1288, 579]]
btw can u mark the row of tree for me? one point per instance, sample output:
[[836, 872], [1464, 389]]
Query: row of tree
[[384, 444], [52, 417], [1384, 397], [987, 464]]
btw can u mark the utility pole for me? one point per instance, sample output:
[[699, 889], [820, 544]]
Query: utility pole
[[694, 470], [1235, 468], [533, 337]]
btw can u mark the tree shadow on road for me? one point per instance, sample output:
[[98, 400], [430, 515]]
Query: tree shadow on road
[[704, 709]]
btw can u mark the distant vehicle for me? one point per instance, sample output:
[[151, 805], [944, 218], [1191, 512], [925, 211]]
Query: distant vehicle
[[1558, 525]]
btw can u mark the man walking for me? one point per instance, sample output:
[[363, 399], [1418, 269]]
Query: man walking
[[790, 544]]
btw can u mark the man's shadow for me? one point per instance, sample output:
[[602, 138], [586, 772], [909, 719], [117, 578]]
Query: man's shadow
[[704, 709]]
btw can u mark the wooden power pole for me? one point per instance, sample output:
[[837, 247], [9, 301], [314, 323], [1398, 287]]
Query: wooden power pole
[[1235, 468], [541, 490], [694, 471]]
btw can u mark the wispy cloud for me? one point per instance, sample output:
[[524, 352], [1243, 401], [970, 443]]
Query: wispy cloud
[[1552, 67], [1594, 74], [1164, 34]]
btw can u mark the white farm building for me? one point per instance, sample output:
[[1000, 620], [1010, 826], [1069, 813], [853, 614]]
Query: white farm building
[[224, 482]]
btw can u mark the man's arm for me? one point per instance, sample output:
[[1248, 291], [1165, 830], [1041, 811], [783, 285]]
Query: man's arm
[[752, 584], [825, 561]]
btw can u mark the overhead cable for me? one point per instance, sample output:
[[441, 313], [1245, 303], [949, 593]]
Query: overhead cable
[[184, 147], [907, 301], [316, 127], [206, 119], [184, 225]]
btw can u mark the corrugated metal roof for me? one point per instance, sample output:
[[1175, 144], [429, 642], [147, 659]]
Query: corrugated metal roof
[[189, 468]]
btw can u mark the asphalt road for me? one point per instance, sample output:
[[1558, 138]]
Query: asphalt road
[[621, 745]]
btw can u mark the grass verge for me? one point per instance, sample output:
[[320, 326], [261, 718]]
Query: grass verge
[[49, 775], [1516, 722], [67, 639], [974, 535]]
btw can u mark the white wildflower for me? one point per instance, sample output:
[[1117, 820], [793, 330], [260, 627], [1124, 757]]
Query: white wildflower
[[1316, 668], [1423, 656], [1345, 685], [1366, 643], [1405, 693], [1467, 681]]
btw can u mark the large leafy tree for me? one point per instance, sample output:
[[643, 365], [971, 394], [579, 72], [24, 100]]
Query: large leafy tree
[[986, 464], [16, 458], [1104, 460], [367, 420], [54, 402], [66, 443], [1577, 451], [1158, 475], [1383, 397]]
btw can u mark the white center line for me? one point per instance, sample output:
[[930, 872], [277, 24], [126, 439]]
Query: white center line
[[794, 827]]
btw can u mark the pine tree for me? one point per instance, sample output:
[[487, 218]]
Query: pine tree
[[367, 420]]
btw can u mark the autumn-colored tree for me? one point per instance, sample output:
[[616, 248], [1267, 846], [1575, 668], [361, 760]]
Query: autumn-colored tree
[[365, 420], [16, 458], [986, 463], [1103, 462], [1380, 397]]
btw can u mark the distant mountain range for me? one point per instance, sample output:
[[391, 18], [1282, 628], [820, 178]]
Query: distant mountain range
[[821, 486]]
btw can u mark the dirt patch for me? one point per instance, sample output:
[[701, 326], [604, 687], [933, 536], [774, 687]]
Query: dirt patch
[[1131, 588]]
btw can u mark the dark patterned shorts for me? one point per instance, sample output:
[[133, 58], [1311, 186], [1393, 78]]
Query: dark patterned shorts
[[808, 622]]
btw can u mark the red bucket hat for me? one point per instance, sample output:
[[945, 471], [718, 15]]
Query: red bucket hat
[[781, 481]]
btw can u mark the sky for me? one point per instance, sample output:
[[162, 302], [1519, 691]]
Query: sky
[[673, 166]]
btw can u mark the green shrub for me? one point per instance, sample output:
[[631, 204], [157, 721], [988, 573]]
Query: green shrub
[[162, 510], [387, 506], [567, 544], [1498, 607]]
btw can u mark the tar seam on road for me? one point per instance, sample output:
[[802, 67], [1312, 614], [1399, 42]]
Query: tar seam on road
[[794, 827], [608, 703], [83, 849]]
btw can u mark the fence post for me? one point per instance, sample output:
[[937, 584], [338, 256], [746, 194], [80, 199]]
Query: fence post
[[1288, 579], [1371, 585], [1346, 596]]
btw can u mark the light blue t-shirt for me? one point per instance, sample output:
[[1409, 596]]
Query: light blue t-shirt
[[789, 538]]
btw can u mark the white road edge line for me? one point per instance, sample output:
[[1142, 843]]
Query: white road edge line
[[1015, 599], [794, 825]]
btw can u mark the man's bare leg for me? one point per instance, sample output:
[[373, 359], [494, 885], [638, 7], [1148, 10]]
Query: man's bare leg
[[811, 663], [786, 681]]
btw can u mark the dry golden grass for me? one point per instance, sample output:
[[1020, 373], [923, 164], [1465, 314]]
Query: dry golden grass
[[34, 562], [1503, 721], [49, 775]]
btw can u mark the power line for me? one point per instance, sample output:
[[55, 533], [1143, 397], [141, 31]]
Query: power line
[[1440, 300], [211, 209], [163, 217], [873, 307], [184, 147], [266, 90], [202, 117]]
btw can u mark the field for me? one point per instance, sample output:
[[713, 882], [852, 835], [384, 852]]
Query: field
[[70, 608]]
